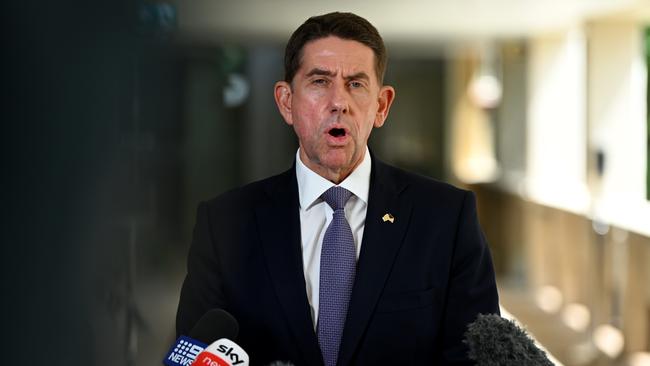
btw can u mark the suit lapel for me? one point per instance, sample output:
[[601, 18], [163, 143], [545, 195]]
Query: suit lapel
[[279, 223], [380, 245]]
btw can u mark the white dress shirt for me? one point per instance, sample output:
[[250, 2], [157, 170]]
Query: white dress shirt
[[316, 215]]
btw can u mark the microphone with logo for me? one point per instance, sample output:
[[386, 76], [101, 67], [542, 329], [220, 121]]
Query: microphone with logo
[[495, 341], [215, 324], [223, 352]]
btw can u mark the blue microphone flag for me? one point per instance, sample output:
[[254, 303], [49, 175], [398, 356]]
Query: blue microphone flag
[[184, 352]]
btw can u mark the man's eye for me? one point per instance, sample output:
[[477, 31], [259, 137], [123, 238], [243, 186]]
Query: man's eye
[[355, 84], [319, 81]]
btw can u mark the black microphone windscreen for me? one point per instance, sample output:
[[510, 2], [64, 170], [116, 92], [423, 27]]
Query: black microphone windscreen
[[213, 325], [495, 341]]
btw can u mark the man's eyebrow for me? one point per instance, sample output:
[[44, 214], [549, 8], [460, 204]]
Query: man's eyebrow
[[317, 71], [358, 76]]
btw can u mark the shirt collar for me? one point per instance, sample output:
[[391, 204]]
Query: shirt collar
[[311, 185]]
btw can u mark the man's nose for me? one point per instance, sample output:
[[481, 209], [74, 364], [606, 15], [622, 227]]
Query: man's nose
[[339, 102]]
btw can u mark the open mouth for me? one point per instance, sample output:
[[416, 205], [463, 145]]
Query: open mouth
[[337, 132]]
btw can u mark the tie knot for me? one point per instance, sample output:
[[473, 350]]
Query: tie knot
[[336, 197]]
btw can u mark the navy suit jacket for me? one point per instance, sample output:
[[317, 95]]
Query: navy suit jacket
[[420, 279]]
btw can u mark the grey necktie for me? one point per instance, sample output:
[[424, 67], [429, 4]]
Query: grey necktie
[[337, 270]]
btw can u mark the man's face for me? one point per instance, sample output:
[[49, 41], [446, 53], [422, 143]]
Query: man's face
[[333, 102]]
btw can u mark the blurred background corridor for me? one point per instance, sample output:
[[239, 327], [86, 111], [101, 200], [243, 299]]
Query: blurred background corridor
[[122, 116]]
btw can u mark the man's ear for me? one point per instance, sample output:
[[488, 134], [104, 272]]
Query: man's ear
[[385, 99], [282, 95]]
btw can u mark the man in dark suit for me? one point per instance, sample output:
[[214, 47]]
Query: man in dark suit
[[342, 259]]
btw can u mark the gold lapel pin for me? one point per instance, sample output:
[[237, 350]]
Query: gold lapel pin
[[388, 217]]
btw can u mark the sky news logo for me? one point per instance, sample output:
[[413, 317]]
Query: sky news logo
[[184, 352]]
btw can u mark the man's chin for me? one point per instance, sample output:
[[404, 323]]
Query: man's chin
[[338, 161], [336, 158]]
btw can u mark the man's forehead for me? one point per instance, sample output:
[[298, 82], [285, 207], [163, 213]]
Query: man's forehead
[[331, 53]]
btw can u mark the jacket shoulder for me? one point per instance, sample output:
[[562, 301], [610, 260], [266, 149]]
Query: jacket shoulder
[[425, 188], [252, 193]]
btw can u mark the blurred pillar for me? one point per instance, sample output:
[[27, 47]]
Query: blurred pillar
[[472, 150]]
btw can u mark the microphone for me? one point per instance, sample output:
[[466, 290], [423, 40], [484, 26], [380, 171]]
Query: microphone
[[214, 324], [223, 352], [495, 341]]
